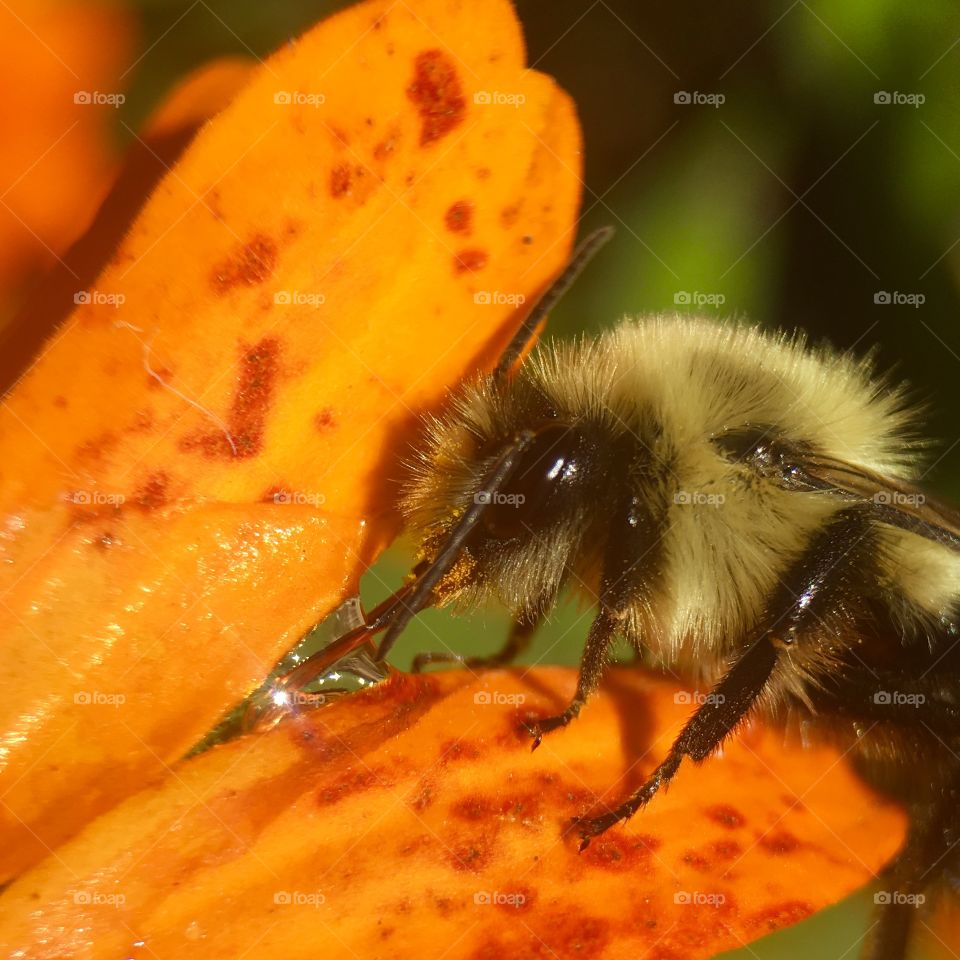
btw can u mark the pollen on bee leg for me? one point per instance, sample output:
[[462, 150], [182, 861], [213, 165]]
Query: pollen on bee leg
[[458, 576]]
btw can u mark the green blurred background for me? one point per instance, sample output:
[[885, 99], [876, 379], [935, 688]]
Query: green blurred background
[[796, 201]]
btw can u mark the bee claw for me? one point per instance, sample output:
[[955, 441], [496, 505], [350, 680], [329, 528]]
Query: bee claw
[[536, 733]]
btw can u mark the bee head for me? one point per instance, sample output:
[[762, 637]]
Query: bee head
[[531, 522]]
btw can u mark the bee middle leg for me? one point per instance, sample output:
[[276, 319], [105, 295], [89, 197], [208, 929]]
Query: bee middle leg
[[928, 856]]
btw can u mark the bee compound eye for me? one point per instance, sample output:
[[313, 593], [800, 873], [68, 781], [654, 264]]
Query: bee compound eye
[[554, 463]]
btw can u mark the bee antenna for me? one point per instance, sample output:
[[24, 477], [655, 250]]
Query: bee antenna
[[548, 299], [419, 596]]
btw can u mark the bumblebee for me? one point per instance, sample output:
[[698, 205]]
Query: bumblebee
[[744, 510]]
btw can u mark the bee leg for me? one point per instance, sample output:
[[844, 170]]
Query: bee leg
[[592, 662], [518, 639], [922, 861], [732, 698]]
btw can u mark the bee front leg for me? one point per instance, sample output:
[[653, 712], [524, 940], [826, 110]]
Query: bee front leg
[[518, 639], [592, 662]]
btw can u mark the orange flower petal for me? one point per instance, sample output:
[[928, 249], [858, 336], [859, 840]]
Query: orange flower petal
[[198, 97], [413, 820], [244, 380]]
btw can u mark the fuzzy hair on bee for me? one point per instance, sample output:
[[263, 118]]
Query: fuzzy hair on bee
[[744, 510], [654, 410], [723, 496]]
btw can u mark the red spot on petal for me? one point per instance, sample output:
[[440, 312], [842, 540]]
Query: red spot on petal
[[470, 261], [97, 447], [251, 264], [509, 215], [324, 420], [779, 843], [620, 853], [340, 180], [459, 218], [388, 145], [152, 493], [437, 94], [246, 420], [726, 815]]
